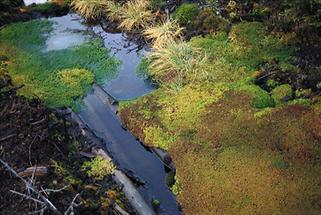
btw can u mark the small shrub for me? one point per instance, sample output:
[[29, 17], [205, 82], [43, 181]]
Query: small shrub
[[186, 13], [136, 15], [165, 33], [99, 168], [90, 9], [281, 92]]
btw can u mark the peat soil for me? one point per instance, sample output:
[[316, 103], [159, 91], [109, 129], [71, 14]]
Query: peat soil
[[32, 135]]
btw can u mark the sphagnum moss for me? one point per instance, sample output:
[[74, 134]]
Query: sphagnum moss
[[235, 152]]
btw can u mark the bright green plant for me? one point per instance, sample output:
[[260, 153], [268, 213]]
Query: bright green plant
[[58, 78], [281, 92], [90, 9], [64, 172], [261, 98], [99, 168], [163, 34], [136, 15], [303, 102], [158, 137], [185, 13]]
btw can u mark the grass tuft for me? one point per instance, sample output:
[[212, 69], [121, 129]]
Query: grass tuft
[[176, 65], [136, 15], [165, 33], [90, 9]]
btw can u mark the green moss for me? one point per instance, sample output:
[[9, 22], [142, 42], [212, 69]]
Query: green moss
[[304, 102], [158, 137], [281, 92], [263, 113], [176, 187], [247, 46], [50, 8], [299, 93], [64, 172], [170, 179], [43, 73], [99, 168], [186, 13], [178, 115], [279, 163], [261, 98], [142, 68], [231, 153], [271, 84], [157, 4], [207, 21]]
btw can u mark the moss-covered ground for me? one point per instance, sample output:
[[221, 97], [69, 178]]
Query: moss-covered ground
[[238, 148], [58, 77]]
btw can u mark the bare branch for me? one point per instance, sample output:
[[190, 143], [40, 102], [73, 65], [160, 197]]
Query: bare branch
[[71, 207], [27, 197], [29, 185]]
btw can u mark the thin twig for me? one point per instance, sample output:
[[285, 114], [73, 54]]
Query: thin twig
[[71, 206], [53, 190], [46, 201], [27, 197]]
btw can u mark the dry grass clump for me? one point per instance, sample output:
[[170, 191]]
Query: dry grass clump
[[177, 64], [136, 15], [90, 9], [164, 33], [114, 11]]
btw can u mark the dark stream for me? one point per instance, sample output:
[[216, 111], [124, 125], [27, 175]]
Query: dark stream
[[127, 152]]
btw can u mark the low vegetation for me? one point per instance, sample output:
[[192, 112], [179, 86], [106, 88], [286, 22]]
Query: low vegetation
[[242, 134], [186, 13], [177, 64], [58, 77], [167, 32], [238, 105], [90, 9], [99, 168], [135, 15]]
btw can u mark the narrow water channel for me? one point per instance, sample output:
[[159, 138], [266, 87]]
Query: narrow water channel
[[127, 152]]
